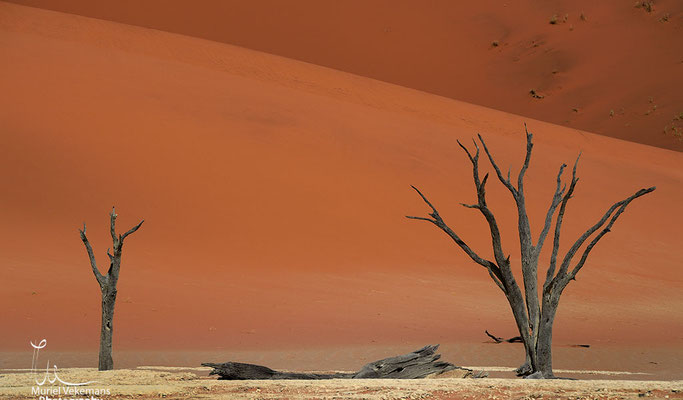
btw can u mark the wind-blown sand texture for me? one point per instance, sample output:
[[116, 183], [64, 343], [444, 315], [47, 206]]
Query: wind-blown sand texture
[[274, 193], [604, 66]]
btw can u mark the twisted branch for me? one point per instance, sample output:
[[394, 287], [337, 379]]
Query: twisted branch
[[607, 229], [558, 226], [101, 279], [620, 206], [436, 219]]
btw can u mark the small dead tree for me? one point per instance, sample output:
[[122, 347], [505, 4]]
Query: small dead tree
[[533, 316], [108, 287]]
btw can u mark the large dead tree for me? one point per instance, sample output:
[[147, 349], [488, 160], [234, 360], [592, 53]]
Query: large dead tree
[[108, 287], [534, 316]]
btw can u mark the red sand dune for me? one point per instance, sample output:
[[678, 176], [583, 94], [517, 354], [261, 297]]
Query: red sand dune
[[274, 193], [616, 71]]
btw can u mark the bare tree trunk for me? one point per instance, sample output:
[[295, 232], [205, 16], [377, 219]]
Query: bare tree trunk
[[108, 288], [544, 362], [519, 313], [106, 361]]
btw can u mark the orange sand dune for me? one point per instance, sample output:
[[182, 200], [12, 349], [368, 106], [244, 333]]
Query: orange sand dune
[[606, 67], [274, 195]]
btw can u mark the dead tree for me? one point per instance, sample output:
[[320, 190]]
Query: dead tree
[[108, 288], [533, 316], [418, 364]]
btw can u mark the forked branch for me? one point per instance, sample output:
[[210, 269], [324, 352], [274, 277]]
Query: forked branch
[[112, 225], [118, 243], [102, 280], [132, 230], [436, 219], [482, 206], [526, 244], [118, 240], [607, 229], [557, 198], [527, 159], [620, 206], [558, 226], [505, 181]]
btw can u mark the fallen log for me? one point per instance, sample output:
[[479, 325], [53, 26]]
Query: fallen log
[[241, 371], [415, 365], [418, 364]]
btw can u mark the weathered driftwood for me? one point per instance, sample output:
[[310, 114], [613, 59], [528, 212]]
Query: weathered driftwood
[[241, 371], [418, 364], [415, 365]]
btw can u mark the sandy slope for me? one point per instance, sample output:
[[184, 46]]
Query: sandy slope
[[274, 193], [616, 58]]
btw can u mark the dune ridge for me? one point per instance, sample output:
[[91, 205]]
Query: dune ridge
[[609, 67]]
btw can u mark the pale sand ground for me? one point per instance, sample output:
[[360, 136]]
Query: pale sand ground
[[175, 383]]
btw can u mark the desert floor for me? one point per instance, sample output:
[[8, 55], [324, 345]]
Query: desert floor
[[626, 362], [274, 194], [602, 372], [193, 383]]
